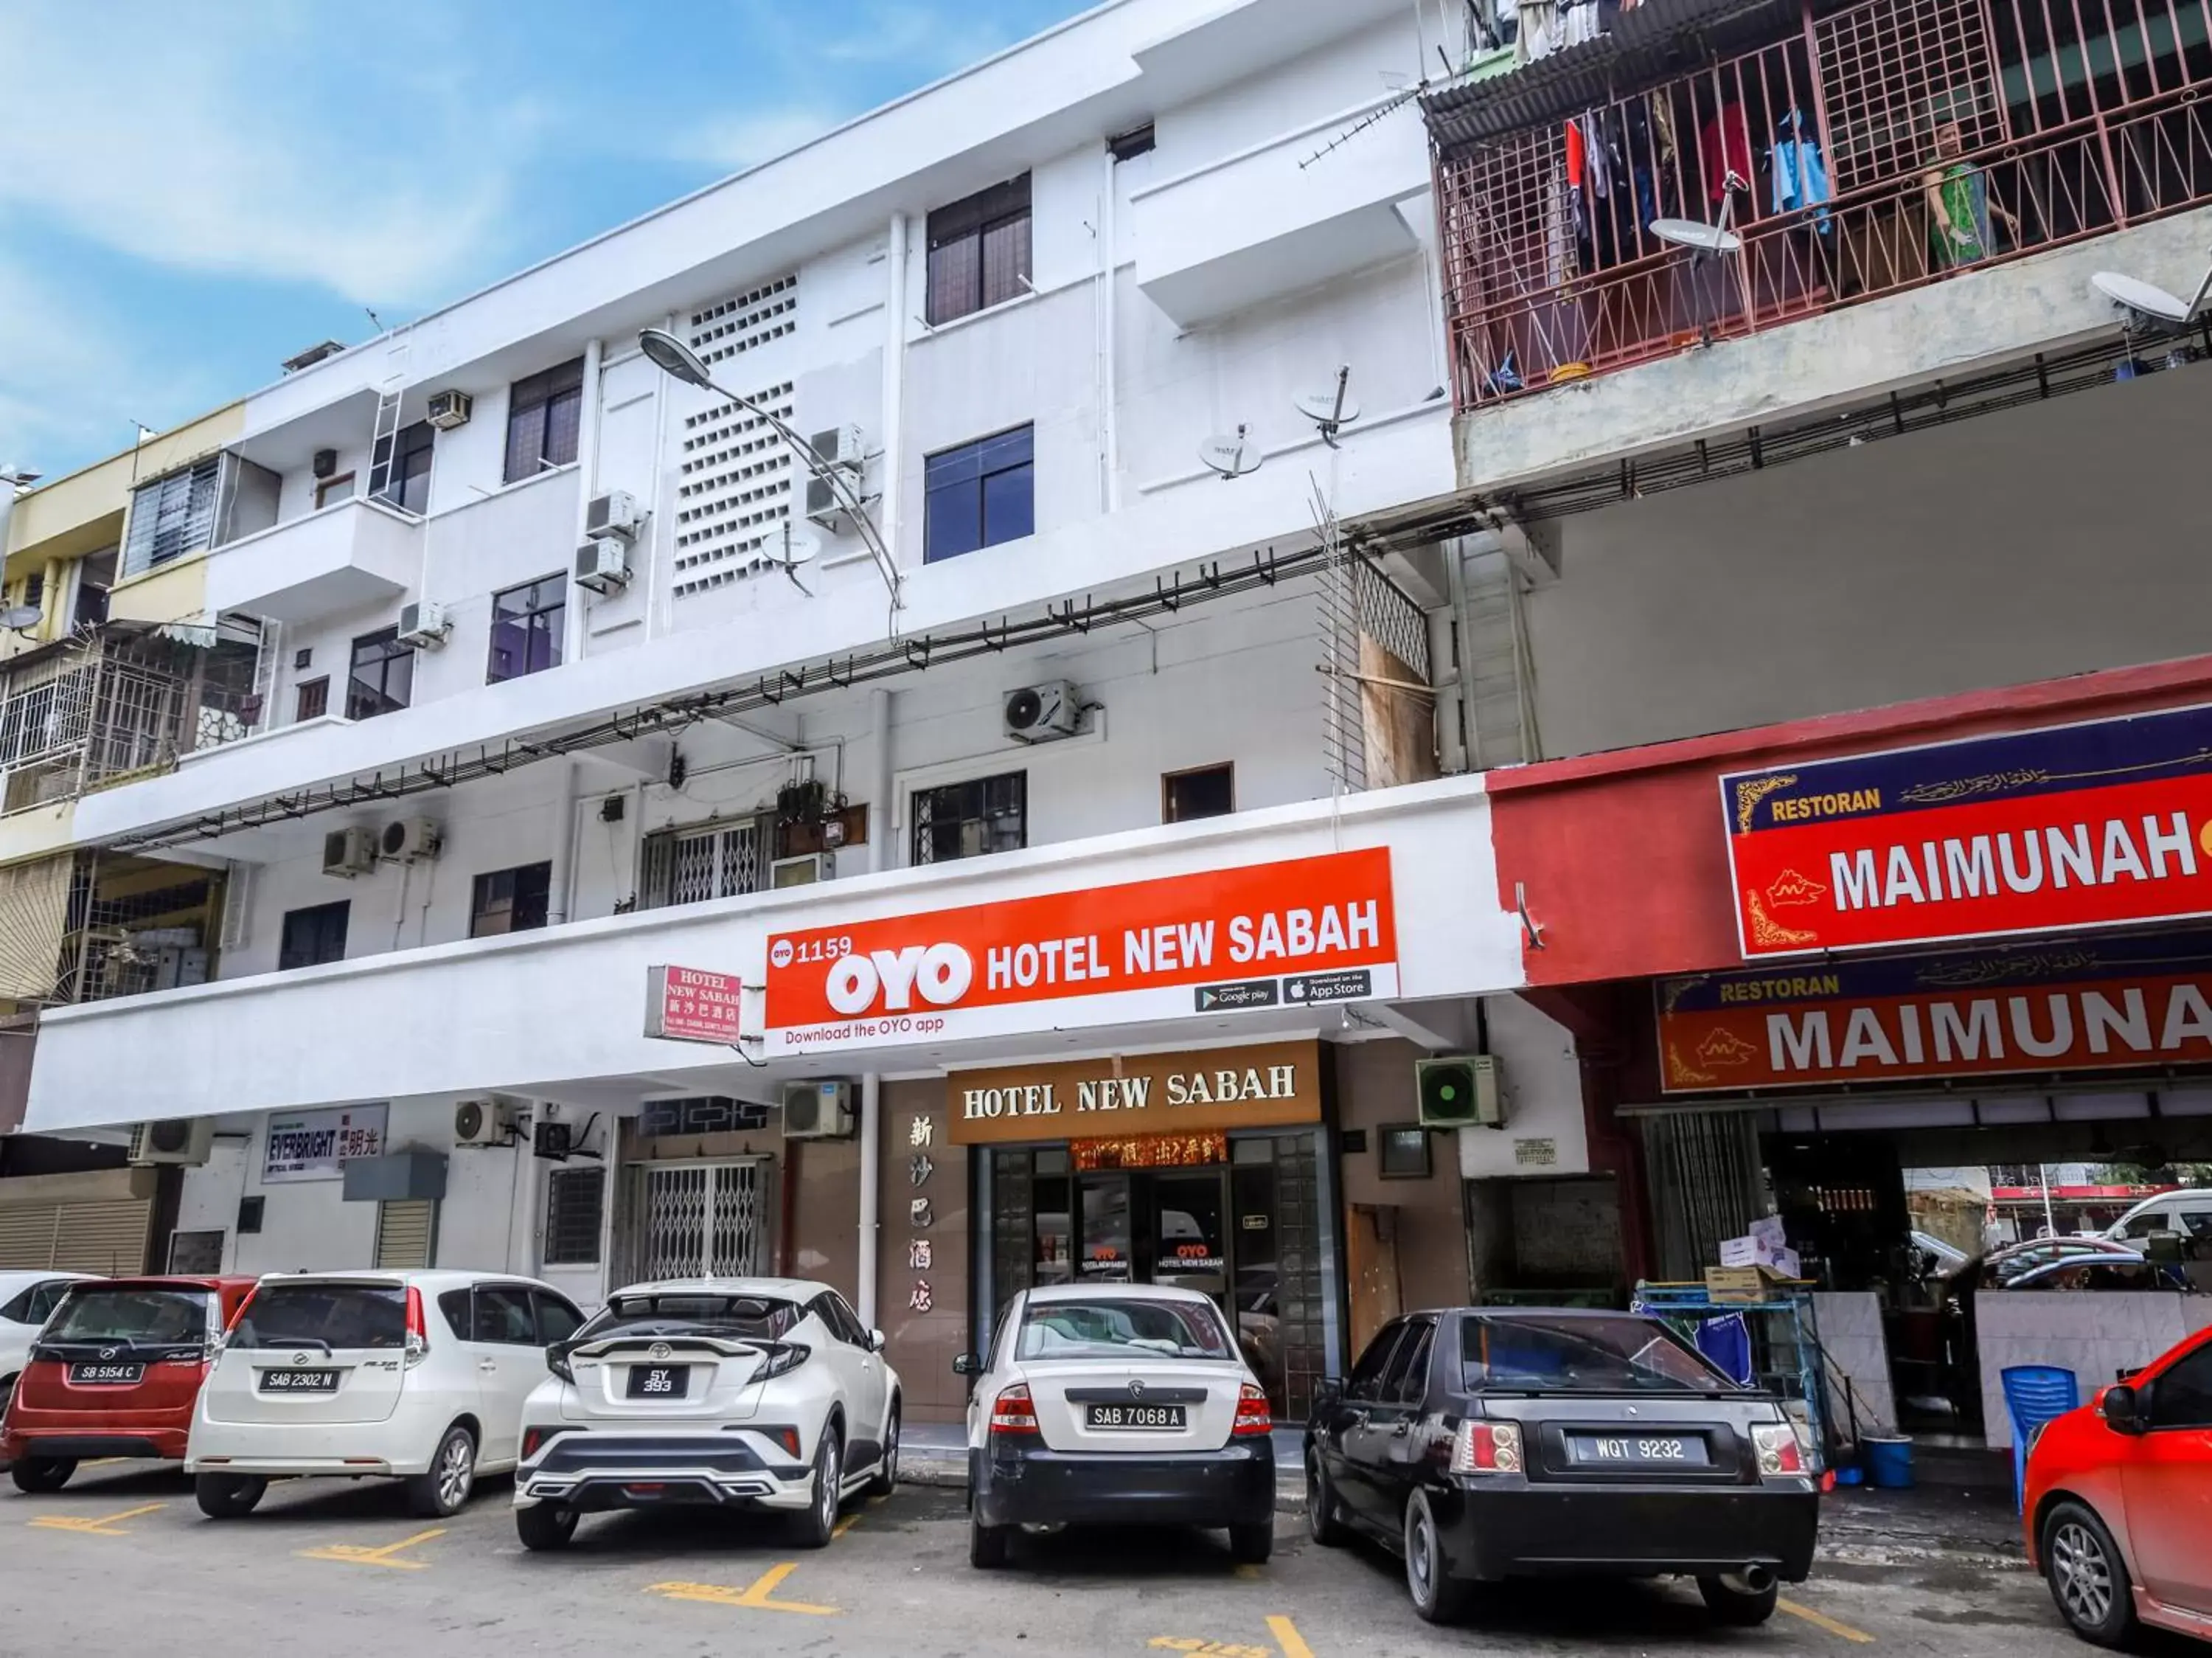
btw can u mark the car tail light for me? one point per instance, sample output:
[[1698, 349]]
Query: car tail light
[[1014, 1412], [556, 1361], [532, 1438], [782, 1360], [418, 1328], [1486, 1448], [1780, 1456], [788, 1438], [1253, 1416], [239, 1312]]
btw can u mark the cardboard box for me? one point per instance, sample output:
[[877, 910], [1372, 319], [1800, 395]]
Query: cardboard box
[[1746, 1251], [1786, 1264], [1768, 1229], [1743, 1283]]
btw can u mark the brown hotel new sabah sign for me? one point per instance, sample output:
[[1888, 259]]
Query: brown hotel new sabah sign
[[1267, 1085]]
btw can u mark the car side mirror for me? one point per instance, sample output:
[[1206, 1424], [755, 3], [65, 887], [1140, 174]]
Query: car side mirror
[[875, 1341], [1329, 1390], [967, 1364], [2123, 1409]]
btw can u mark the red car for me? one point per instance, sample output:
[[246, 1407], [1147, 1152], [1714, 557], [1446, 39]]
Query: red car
[[2120, 1502], [116, 1372]]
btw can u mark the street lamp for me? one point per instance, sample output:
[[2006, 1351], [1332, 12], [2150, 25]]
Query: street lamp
[[673, 358]]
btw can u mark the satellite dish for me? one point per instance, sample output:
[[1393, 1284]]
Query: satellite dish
[[1697, 236], [17, 617], [792, 551], [2146, 304], [1331, 408], [1232, 457]]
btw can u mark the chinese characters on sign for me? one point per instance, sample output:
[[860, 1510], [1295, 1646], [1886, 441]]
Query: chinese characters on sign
[[684, 1004], [309, 1145], [920, 1134]]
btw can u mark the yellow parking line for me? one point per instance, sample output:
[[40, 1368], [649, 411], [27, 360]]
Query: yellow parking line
[[759, 1595], [104, 1525], [843, 1526], [353, 1554], [1199, 1648], [1821, 1620], [1287, 1637]]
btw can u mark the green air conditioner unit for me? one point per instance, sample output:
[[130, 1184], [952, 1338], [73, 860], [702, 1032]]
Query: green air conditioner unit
[[1460, 1091]]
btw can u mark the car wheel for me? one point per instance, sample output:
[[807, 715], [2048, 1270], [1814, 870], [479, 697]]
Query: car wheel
[[1438, 1598], [1732, 1600], [886, 1479], [816, 1526], [43, 1473], [440, 1493], [1324, 1521], [1250, 1545], [2087, 1577], [987, 1544], [545, 1524], [228, 1496]]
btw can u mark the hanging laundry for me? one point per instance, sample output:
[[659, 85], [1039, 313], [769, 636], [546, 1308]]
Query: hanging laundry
[[1539, 33], [1800, 174], [1724, 147]]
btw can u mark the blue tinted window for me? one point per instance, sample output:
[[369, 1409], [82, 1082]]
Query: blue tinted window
[[980, 494]]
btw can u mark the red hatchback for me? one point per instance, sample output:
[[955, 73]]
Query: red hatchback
[[2120, 1502], [116, 1372]]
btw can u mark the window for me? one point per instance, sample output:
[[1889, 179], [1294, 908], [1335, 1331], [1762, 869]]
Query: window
[[1605, 1353], [979, 495], [454, 1305], [557, 1319], [382, 676], [510, 900], [2150, 1220], [171, 516], [95, 574], [689, 866], [313, 698], [35, 1305], [1207, 791], [543, 414], [979, 251], [34, 589], [1408, 1382], [574, 1205], [329, 491], [525, 627], [504, 1314], [2182, 1398], [970, 820], [1401, 1152], [191, 1253], [1366, 1379], [354, 1315], [313, 936], [842, 1322], [1123, 1330], [404, 483]]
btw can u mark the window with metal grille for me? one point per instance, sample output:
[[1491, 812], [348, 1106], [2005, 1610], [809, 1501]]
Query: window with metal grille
[[972, 818], [575, 1201], [689, 866], [543, 415], [171, 516], [510, 900], [400, 473], [979, 251]]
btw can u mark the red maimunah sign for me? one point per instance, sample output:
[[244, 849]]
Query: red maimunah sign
[[2104, 1003], [2096, 825], [687, 1005], [1308, 931]]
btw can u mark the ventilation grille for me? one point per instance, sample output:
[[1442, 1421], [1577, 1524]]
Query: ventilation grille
[[745, 322], [733, 493]]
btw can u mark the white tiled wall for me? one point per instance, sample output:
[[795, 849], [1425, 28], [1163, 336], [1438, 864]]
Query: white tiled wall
[[2094, 1334], [1852, 1334]]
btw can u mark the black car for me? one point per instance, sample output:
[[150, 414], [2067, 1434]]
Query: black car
[[1490, 1442]]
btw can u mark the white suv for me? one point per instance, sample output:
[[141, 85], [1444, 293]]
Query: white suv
[[743, 1393], [419, 1376], [27, 1300]]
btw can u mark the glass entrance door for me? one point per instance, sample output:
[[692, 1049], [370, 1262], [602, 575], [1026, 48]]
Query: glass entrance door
[[1189, 1236]]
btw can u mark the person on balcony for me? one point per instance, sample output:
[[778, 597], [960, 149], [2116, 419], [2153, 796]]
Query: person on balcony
[[1959, 205]]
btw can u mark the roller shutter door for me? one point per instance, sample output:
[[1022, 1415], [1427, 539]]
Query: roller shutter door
[[106, 1237], [406, 1233]]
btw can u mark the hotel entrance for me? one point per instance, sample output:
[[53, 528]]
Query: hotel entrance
[[1236, 1215]]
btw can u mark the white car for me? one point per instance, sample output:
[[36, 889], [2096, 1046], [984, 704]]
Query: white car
[[27, 1300], [742, 1392], [1117, 1405], [2187, 1210], [417, 1376]]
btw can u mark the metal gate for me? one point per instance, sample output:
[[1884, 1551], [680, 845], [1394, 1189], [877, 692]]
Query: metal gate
[[701, 1220]]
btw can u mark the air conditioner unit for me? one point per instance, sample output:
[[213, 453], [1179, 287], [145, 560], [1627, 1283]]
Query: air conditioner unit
[[1043, 713], [350, 852], [1459, 1092], [802, 871], [818, 1110], [481, 1122], [449, 409], [408, 840], [424, 626], [824, 509], [614, 512], [603, 564], [841, 447], [182, 1140]]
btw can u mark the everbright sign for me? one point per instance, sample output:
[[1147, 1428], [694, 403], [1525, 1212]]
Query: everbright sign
[[2110, 1004], [1097, 956], [2096, 825]]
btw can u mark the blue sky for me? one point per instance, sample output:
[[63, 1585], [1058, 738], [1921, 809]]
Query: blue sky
[[185, 204]]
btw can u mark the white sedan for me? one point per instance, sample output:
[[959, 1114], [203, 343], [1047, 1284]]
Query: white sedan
[[1117, 1405], [27, 1300], [740, 1392]]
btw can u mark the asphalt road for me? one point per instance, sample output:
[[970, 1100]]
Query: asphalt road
[[122, 1561]]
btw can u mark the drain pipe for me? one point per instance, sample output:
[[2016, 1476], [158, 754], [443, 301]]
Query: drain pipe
[[872, 1192], [574, 626], [879, 787], [564, 848]]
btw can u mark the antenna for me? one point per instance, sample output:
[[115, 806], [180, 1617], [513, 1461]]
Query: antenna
[[2148, 306], [1381, 112], [21, 619], [1232, 457], [1332, 408], [790, 554]]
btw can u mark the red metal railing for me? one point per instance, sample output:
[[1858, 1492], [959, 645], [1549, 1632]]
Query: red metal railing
[[1944, 136]]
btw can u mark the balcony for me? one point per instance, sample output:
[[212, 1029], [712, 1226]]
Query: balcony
[[1859, 151], [344, 558]]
